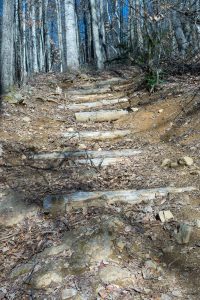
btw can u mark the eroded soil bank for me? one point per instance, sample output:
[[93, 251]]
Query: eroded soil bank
[[100, 249]]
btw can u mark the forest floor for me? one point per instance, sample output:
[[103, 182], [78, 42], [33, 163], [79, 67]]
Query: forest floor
[[58, 240]]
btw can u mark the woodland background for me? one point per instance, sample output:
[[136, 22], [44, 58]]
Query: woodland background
[[62, 35]]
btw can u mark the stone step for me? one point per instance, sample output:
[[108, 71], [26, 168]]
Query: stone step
[[100, 103], [97, 135], [54, 203], [101, 115], [87, 154]]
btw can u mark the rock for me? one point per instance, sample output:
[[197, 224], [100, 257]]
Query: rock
[[68, 294], [21, 270], [149, 264], [120, 245], [161, 110], [14, 98], [82, 147], [1, 150], [165, 297], [177, 293], [165, 216], [186, 161], [174, 165], [166, 163], [197, 223], [115, 274], [134, 109], [55, 250], [184, 234], [26, 119], [70, 129], [148, 209], [47, 278], [58, 90], [195, 172]]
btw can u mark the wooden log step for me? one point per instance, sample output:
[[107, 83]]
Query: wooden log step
[[53, 203], [97, 135], [105, 82], [100, 162], [87, 154], [100, 103], [101, 115], [90, 91], [95, 97]]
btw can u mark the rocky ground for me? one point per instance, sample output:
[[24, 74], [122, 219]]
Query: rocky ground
[[63, 236]]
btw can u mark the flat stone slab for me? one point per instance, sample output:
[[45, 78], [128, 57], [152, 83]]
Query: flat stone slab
[[97, 135], [59, 202], [101, 115], [87, 154], [100, 103]]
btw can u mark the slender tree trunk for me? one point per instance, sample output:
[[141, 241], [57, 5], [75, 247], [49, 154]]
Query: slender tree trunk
[[34, 39], [60, 37], [71, 35], [96, 39], [7, 64]]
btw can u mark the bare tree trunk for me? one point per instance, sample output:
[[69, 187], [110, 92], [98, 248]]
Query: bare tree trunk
[[34, 39], [6, 79], [179, 34], [96, 39], [71, 35], [60, 37]]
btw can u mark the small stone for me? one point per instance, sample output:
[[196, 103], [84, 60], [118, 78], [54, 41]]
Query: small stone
[[58, 90], [161, 110], [21, 270], [70, 129], [165, 297], [26, 119], [149, 264], [195, 172], [166, 163], [128, 228], [68, 294], [82, 147], [121, 245], [176, 293], [184, 234], [44, 280], [186, 161], [165, 216], [197, 223], [148, 209], [1, 150], [173, 165], [115, 274]]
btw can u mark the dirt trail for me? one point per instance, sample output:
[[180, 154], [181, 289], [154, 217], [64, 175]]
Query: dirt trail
[[103, 185]]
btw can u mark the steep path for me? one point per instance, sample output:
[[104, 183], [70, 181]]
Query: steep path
[[103, 187]]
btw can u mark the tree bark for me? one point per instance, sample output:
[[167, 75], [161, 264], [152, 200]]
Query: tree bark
[[7, 64], [96, 38], [71, 36]]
